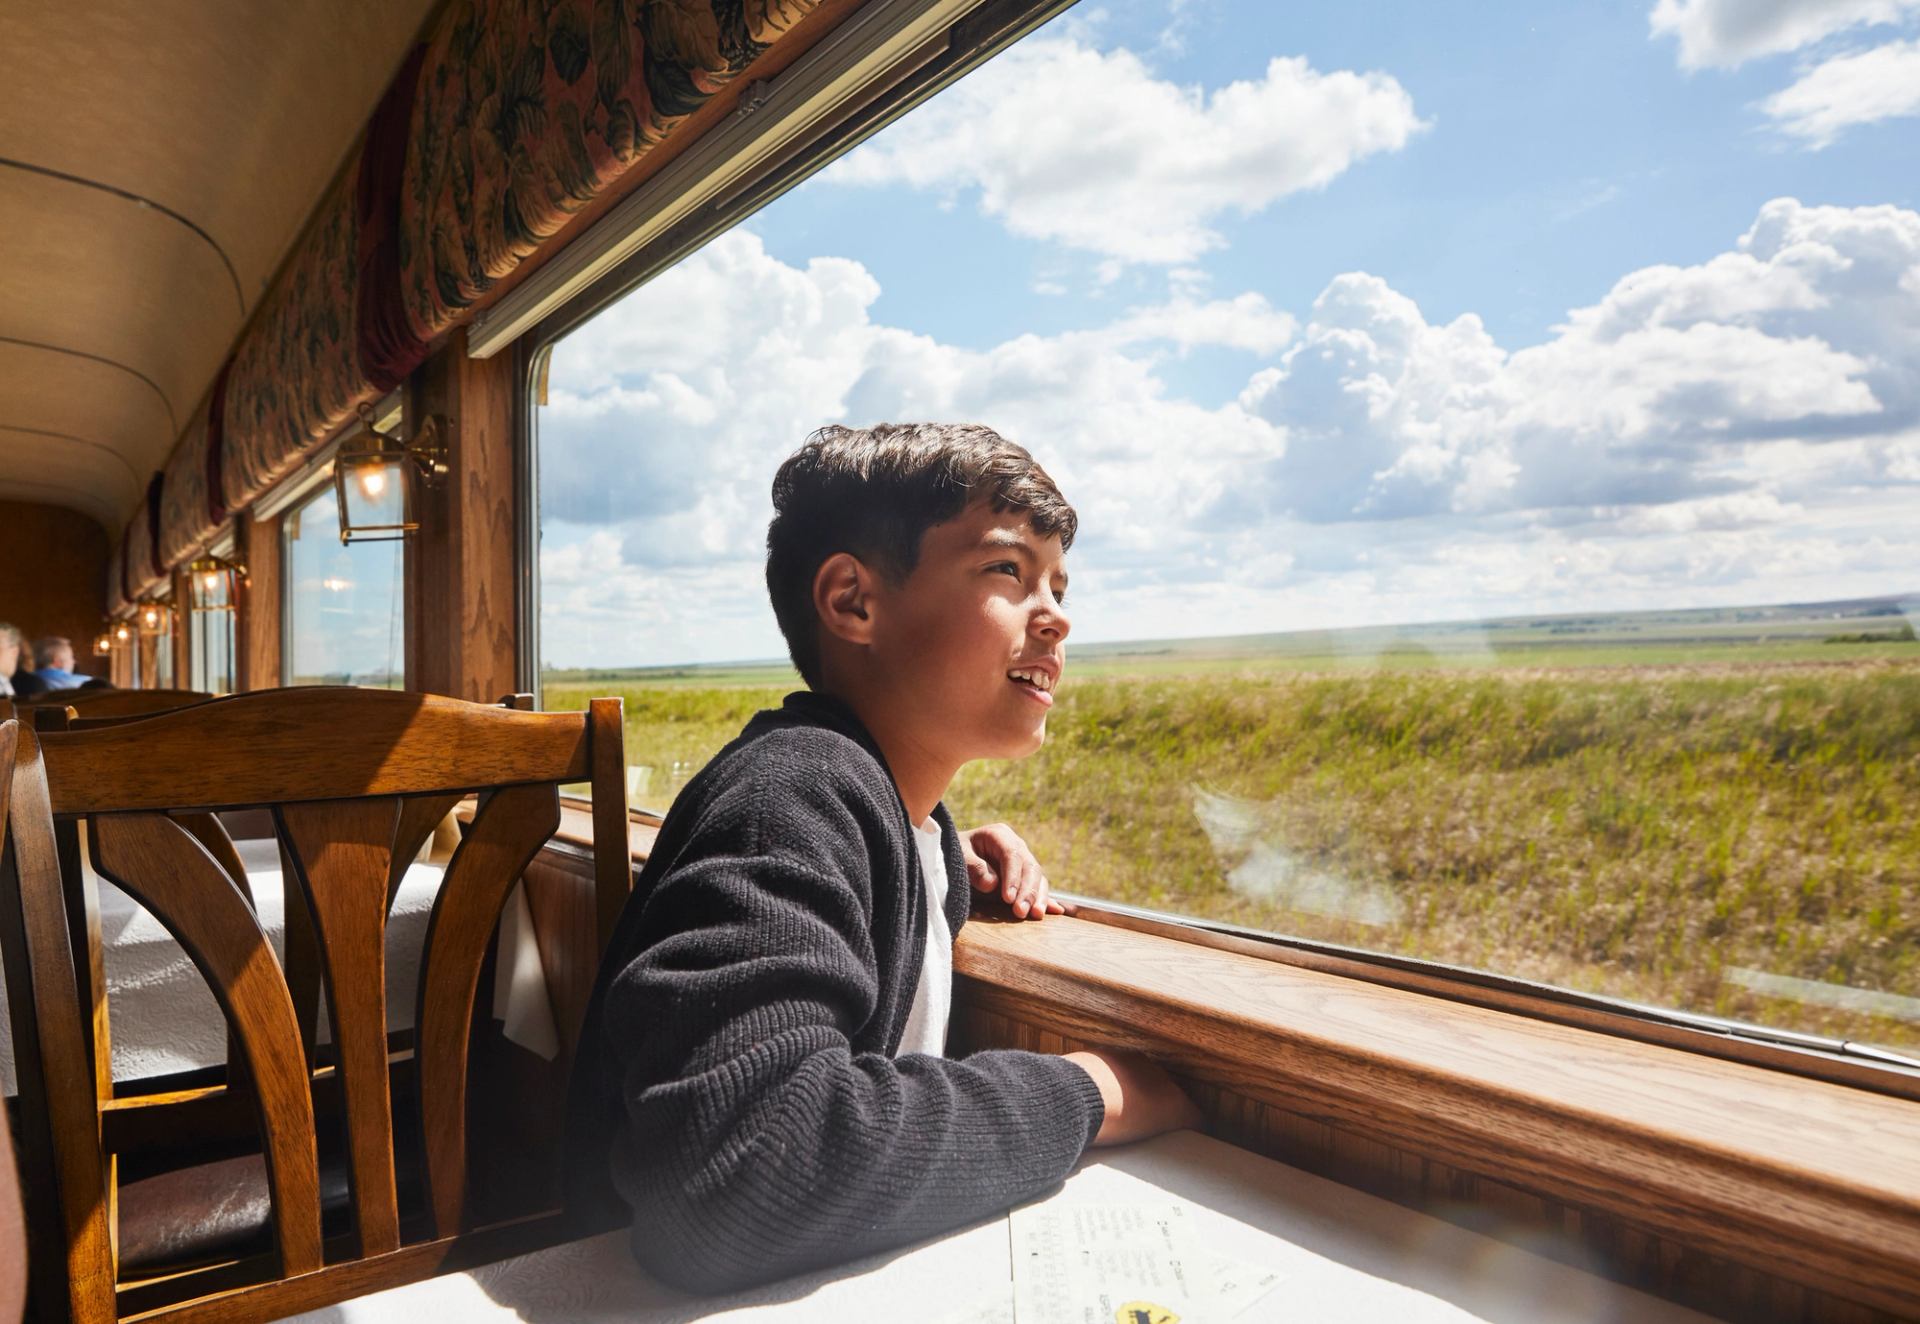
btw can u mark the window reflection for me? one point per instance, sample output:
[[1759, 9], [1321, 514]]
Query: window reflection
[[210, 638], [344, 603]]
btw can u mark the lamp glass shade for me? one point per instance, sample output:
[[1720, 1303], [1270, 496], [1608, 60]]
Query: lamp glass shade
[[103, 644], [375, 487], [151, 615], [210, 581], [122, 632]]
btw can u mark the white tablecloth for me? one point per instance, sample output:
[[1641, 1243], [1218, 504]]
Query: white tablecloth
[[163, 1019], [1343, 1256]]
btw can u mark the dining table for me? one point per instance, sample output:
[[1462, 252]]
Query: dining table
[[1282, 1244]]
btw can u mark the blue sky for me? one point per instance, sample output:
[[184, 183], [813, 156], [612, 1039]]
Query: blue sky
[[1323, 315]]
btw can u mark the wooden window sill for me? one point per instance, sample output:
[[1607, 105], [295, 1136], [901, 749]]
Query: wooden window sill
[[575, 836], [1800, 1178]]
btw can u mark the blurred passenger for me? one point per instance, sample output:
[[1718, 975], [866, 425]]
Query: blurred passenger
[[9, 657], [53, 663]]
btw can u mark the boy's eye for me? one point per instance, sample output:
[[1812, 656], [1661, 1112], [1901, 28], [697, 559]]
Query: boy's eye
[[1007, 567]]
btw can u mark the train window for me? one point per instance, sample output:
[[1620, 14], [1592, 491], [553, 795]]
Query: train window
[[1495, 439], [210, 651], [344, 608], [155, 653]]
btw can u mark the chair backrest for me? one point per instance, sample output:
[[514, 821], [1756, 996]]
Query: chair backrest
[[13, 1228], [106, 702], [349, 776]]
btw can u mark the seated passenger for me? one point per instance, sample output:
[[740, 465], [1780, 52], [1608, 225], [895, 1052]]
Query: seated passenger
[[9, 658], [760, 1085], [53, 663]]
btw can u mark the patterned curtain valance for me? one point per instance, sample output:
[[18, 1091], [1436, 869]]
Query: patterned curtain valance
[[527, 111], [186, 522], [116, 580], [141, 574], [514, 117], [296, 376]]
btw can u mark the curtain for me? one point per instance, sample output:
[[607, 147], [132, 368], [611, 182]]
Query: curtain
[[139, 574], [296, 376], [186, 522], [528, 110]]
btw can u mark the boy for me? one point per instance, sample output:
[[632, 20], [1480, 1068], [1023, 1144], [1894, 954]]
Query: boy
[[760, 1073]]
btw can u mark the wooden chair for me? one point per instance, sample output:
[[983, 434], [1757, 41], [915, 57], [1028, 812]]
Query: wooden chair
[[120, 703], [116, 703], [13, 1228], [345, 774]]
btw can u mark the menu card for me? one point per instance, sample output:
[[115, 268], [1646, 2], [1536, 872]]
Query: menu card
[[1113, 1263]]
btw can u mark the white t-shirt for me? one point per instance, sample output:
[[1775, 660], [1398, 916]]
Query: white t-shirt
[[926, 1030]]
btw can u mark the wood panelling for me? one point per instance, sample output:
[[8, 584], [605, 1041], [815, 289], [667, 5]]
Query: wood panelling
[[461, 632], [1743, 1192], [258, 629], [55, 579]]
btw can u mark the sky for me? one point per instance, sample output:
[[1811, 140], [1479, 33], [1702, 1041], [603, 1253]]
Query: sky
[[1320, 316]]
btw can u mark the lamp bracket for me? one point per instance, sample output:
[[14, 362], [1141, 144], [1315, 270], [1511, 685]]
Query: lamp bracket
[[424, 448]]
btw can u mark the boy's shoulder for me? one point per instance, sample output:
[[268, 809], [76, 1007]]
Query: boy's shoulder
[[810, 757]]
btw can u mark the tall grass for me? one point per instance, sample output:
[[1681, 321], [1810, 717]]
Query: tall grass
[[1679, 836]]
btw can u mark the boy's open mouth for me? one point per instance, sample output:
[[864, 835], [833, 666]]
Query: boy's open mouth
[[1036, 681]]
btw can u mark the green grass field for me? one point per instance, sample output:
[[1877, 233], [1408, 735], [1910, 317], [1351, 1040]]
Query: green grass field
[[1695, 824]]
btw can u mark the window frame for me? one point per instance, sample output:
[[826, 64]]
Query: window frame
[[983, 32]]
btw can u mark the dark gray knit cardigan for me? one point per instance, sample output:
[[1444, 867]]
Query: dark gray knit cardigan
[[735, 1092]]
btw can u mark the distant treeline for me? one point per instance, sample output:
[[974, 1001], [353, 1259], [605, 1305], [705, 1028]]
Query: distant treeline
[[1903, 635]]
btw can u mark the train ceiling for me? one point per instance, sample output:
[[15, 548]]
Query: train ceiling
[[157, 162]]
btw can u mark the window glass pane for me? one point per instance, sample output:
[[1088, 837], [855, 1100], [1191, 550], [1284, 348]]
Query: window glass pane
[[163, 648], [1496, 439], [345, 603], [211, 641]]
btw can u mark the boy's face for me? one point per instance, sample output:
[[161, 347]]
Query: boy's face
[[974, 640]]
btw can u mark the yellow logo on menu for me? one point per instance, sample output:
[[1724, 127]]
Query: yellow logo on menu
[[1144, 1312]]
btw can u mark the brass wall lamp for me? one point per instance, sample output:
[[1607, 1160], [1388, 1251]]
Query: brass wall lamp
[[103, 643], [153, 615], [379, 478], [213, 583]]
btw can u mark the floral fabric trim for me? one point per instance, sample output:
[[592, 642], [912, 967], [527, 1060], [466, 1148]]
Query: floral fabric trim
[[116, 578], [527, 111], [140, 573], [185, 523], [296, 376]]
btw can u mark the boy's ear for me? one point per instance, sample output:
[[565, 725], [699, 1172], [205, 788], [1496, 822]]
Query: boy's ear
[[843, 598]]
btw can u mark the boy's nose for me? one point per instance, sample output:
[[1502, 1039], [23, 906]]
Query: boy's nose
[[1052, 623]]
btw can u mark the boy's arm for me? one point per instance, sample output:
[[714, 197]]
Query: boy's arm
[[756, 1142]]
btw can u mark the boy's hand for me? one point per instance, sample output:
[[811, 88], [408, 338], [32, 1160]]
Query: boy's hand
[[999, 861], [1141, 1099]]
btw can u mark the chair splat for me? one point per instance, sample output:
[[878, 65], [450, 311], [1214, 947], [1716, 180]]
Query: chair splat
[[506, 833], [342, 852], [166, 869]]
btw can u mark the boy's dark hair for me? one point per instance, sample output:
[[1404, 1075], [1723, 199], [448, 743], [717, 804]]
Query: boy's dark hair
[[874, 492]]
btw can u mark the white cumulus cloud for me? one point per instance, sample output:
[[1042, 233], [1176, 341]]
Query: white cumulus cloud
[[1090, 149], [1742, 429], [1862, 87], [1805, 331], [1725, 33]]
